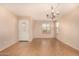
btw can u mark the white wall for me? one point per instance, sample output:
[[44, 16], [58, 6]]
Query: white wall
[[69, 29], [8, 28], [37, 30]]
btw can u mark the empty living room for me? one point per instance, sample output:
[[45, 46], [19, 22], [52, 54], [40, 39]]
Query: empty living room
[[39, 29]]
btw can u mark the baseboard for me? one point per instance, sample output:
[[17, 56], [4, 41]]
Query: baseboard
[[9, 46], [66, 44]]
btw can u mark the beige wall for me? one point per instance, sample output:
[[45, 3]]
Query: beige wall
[[69, 29], [8, 28], [37, 30]]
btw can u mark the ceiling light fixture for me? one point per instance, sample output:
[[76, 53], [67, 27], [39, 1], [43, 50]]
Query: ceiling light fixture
[[52, 18], [53, 14]]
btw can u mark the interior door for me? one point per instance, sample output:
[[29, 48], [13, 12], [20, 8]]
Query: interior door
[[23, 30]]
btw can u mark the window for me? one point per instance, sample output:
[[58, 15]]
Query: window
[[46, 28], [57, 27]]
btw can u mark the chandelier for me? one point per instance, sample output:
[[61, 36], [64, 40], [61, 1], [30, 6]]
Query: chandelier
[[53, 14], [52, 18]]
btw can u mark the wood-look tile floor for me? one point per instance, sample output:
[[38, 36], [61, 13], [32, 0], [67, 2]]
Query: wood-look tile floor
[[40, 47]]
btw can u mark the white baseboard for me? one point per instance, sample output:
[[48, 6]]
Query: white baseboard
[[69, 45], [8, 45]]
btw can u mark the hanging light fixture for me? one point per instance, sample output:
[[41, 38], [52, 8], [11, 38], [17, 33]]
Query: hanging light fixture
[[53, 14], [52, 17]]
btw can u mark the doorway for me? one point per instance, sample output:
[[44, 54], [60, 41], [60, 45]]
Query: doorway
[[23, 28]]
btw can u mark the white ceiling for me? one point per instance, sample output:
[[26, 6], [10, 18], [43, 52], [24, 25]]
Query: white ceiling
[[37, 11]]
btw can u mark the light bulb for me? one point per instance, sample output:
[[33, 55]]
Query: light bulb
[[54, 14], [52, 11], [57, 12]]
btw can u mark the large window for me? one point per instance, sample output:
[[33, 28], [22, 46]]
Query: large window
[[46, 27]]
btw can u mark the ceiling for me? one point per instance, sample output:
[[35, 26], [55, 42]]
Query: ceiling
[[37, 11]]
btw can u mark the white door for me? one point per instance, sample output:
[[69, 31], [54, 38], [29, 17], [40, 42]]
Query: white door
[[23, 30]]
